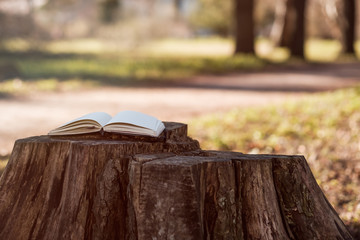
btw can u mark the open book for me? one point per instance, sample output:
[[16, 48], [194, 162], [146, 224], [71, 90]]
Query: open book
[[128, 122]]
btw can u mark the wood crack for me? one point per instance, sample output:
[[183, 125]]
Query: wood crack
[[281, 207]]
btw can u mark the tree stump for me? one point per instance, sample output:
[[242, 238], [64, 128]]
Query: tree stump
[[130, 187]]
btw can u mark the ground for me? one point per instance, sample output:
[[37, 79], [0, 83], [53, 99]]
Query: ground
[[37, 113]]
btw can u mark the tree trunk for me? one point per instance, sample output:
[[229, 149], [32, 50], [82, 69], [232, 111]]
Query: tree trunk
[[298, 43], [109, 9], [121, 187], [244, 26], [349, 30], [277, 29], [177, 9], [288, 25], [293, 35]]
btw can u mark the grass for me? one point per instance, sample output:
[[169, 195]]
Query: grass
[[62, 64], [323, 127], [134, 68], [17, 87], [114, 69], [316, 50], [107, 62]]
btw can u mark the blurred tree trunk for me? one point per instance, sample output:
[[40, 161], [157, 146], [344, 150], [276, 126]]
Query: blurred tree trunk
[[244, 26], [293, 35], [298, 41], [177, 9], [277, 29], [349, 30], [288, 29], [109, 10]]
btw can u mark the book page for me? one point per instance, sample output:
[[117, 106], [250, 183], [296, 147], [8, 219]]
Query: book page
[[82, 129], [135, 118], [100, 117]]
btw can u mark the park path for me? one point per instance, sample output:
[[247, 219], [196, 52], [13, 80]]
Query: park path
[[182, 101]]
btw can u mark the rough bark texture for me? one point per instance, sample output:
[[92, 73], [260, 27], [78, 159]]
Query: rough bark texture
[[105, 187], [244, 26]]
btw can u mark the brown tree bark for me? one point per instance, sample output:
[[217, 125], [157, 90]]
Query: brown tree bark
[[244, 26], [121, 187], [350, 27]]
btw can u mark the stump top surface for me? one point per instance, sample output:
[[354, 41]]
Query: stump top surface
[[173, 131], [173, 139]]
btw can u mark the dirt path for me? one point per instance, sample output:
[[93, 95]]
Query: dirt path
[[38, 113]]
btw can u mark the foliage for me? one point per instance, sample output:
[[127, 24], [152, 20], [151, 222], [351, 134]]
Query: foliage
[[323, 127]]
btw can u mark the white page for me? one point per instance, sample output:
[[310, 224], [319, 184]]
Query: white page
[[135, 118], [101, 117]]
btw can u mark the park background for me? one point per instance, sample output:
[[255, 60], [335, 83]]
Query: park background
[[250, 76]]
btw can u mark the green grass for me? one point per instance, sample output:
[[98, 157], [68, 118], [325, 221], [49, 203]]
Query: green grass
[[109, 63], [134, 68], [18, 87], [113, 70], [324, 127], [62, 65]]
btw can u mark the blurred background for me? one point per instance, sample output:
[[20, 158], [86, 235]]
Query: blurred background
[[254, 76]]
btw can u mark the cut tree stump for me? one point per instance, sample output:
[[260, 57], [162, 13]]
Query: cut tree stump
[[130, 187]]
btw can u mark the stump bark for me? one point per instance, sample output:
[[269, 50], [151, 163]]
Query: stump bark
[[130, 187]]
